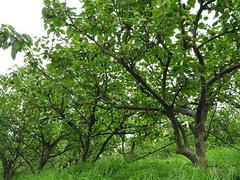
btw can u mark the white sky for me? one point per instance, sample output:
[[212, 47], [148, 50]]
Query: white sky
[[25, 17]]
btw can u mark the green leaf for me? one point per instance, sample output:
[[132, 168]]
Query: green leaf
[[201, 26], [27, 38], [191, 3], [15, 49], [205, 18]]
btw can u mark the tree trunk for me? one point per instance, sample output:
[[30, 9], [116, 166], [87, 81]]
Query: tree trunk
[[200, 147], [85, 152], [42, 164], [8, 170], [132, 149], [102, 149], [7, 175], [199, 156], [44, 158]]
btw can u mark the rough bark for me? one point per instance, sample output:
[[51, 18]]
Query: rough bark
[[200, 146], [42, 164], [201, 151], [44, 157], [85, 152], [8, 169]]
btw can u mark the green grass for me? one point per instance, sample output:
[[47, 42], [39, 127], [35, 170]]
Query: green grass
[[224, 164]]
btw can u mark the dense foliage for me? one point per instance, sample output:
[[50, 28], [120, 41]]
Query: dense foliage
[[121, 77]]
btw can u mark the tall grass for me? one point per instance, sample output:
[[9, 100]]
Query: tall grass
[[224, 164]]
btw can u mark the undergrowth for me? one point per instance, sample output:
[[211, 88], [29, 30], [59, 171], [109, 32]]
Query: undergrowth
[[224, 163]]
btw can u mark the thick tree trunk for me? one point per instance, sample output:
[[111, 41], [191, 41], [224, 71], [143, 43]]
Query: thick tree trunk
[[7, 175], [42, 164], [85, 152], [196, 159], [200, 147], [8, 170], [199, 156], [44, 158]]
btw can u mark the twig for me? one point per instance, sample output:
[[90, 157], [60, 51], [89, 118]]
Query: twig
[[151, 152], [219, 138]]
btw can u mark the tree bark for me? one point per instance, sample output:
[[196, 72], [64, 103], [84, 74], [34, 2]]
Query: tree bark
[[8, 169], [200, 146], [85, 152], [197, 157], [44, 157]]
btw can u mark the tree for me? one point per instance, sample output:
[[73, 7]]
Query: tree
[[176, 57], [12, 136], [85, 85], [137, 56]]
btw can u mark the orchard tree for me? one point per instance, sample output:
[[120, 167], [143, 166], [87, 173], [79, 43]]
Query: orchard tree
[[43, 125], [86, 85], [174, 52], [12, 137], [169, 57]]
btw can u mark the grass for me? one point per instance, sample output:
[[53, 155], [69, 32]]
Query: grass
[[224, 163]]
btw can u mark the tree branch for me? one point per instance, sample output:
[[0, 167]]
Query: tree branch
[[185, 111], [224, 71], [218, 36], [136, 107]]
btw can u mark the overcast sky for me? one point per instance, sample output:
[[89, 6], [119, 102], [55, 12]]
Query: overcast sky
[[25, 17]]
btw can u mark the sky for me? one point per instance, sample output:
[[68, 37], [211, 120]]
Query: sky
[[25, 17]]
